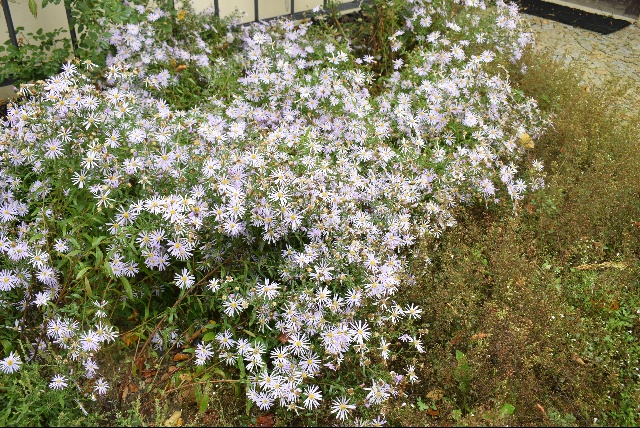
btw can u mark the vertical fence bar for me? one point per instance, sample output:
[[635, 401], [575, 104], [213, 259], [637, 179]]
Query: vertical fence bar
[[256, 16], [72, 27], [293, 5], [9, 20], [216, 8]]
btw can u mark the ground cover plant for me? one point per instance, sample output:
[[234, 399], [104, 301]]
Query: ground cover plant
[[262, 214]]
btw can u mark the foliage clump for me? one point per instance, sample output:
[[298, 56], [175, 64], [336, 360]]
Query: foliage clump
[[273, 219]]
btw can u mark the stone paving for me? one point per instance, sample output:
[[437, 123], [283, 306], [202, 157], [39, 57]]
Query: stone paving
[[597, 58]]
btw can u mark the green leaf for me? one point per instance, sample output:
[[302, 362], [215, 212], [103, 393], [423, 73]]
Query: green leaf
[[98, 257], [507, 410], [97, 241], [421, 405], [209, 337], [82, 272], [87, 287], [7, 346], [127, 287], [33, 7]]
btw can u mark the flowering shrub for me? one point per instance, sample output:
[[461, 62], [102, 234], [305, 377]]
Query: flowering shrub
[[278, 219]]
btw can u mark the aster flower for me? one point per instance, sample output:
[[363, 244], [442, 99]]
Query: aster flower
[[342, 407], [58, 382], [101, 387], [10, 364], [314, 397]]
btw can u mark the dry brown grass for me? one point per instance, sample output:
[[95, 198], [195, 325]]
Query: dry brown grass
[[558, 343]]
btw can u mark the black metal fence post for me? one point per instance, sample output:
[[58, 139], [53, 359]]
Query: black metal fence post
[[9, 20], [72, 27]]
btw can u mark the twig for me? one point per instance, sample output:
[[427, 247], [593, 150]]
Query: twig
[[201, 383], [175, 305]]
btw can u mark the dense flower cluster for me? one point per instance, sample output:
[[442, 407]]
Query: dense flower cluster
[[328, 183]]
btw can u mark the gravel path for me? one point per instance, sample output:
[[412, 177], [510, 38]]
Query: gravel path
[[598, 58]]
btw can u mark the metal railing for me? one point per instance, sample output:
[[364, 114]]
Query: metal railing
[[263, 10]]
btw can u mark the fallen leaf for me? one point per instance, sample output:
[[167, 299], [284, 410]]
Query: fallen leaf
[[129, 338], [265, 420], [133, 387], [544, 412], [139, 363], [283, 338], [195, 335], [133, 316], [173, 419], [578, 360], [530, 208], [180, 67], [435, 395], [149, 373], [479, 336], [180, 357], [125, 392], [433, 412]]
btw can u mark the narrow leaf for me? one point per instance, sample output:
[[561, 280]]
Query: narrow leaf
[[87, 287], [127, 287], [33, 7]]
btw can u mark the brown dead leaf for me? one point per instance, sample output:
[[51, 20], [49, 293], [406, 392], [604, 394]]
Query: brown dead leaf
[[181, 67], [578, 360], [283, 338], [125, 392], [265, 420], [194, 336], [433, 413], [180, 357], [479, 336], [169, 372], [544, 412], [456, 339], [173, 419], [133, 387], [530, 208], [129, 338], [139, 364], [134, 315], [148, 373], [435, 395]]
